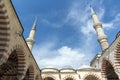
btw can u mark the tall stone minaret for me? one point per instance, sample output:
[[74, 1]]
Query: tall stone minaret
[[102, 38], [30, 40]]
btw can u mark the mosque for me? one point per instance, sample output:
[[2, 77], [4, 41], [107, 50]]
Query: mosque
[[18, 63]]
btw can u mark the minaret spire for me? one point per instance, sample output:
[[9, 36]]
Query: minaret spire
[[92, 10], [35, 23], [30, 40], [102, 38]]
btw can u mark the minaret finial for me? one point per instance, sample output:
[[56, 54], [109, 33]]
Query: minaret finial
[[35, 23], [92, 10]]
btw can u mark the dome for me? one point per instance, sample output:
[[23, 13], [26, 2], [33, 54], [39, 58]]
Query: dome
[[67, 70], [49, 69], [86, 69]]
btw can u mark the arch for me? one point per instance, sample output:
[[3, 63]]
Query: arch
[[21, 62], [30, 73], [37, 77], [108, 70], [48, 78], [4, 33], [117, 56], [91, 76], [14, 66], [69, 77]]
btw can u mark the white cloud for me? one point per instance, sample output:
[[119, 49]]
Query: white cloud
[[52, 24], [64, 56], [80, 16], [85, 66], [48, 55], [44, 50], [112, 24]]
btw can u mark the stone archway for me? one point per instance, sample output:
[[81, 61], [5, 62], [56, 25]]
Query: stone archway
[[29, 74], [37, 77], [117, 57], [69, 78], [48, 78], [91, 77], [8, 70], [13, 67], [108, 71]]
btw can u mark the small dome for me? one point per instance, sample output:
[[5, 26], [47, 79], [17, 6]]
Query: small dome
[[86, 69], [50, 69], [67, 70]]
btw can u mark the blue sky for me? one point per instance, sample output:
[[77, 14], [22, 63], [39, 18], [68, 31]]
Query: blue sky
[[65, 36]]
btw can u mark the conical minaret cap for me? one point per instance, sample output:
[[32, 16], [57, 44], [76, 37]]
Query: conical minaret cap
[[35, 23], [92, 10]]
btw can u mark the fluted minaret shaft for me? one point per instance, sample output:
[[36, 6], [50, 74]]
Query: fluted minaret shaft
[[30, 40], [102, 38]]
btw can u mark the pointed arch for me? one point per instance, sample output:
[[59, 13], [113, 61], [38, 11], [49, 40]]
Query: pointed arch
[[49, 78], [37, 77], [108, 70], [69, 77], [117, 56], [45, 77], [91, 76], [30, 73], [14, 66]]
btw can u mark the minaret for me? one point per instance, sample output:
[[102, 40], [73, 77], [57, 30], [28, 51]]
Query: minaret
[[30, 40], [102, 38]]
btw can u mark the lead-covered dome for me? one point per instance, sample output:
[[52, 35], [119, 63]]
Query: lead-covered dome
[[49, 69]]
